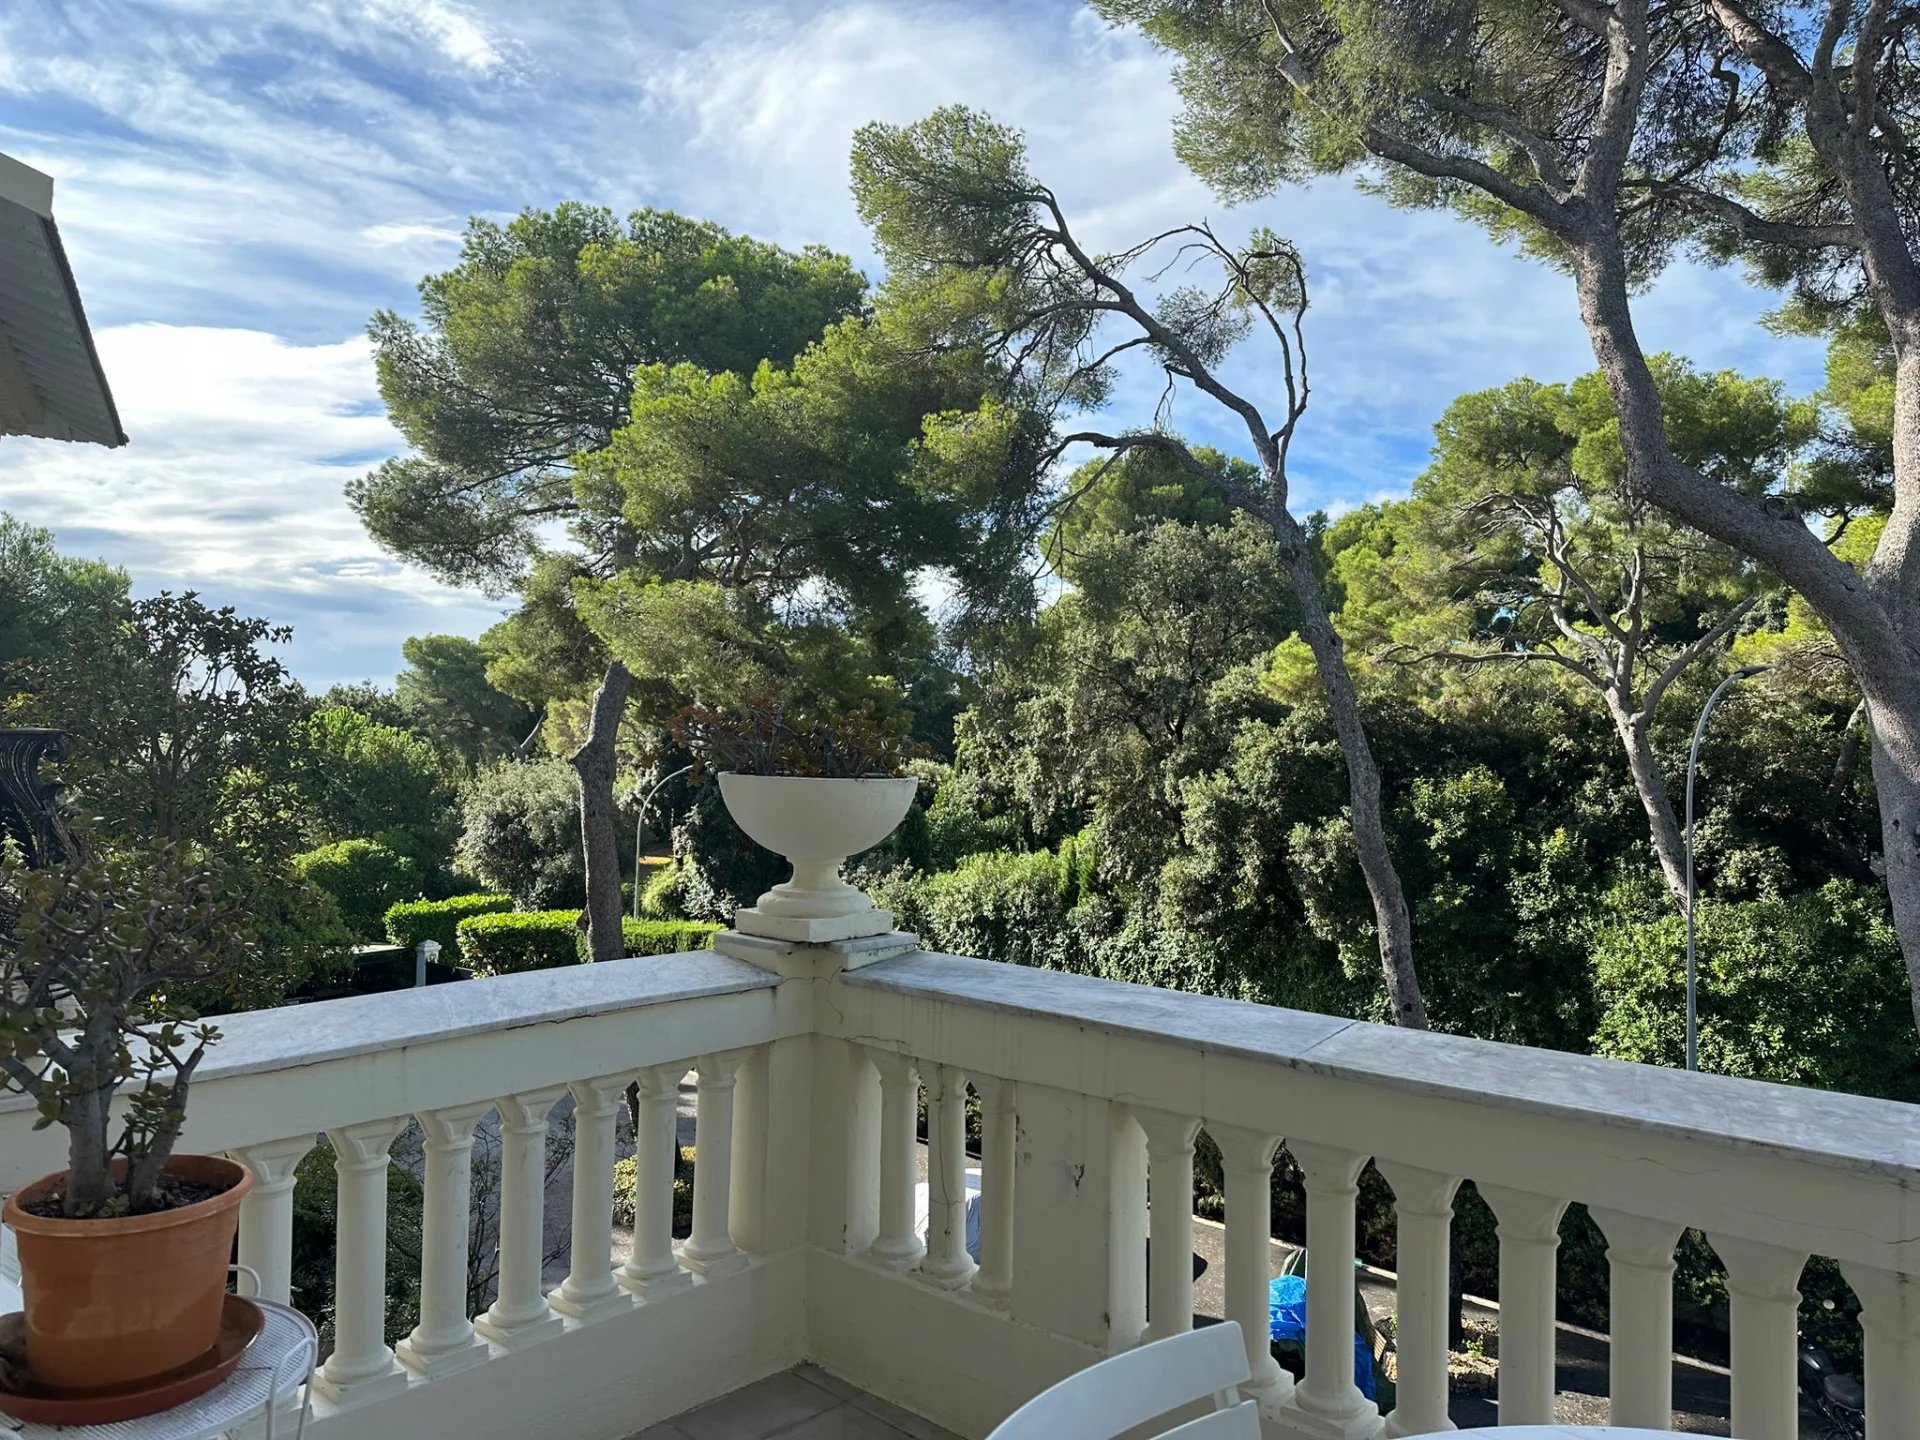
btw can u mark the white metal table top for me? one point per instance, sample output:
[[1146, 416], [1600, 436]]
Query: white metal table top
[[274, 1368]]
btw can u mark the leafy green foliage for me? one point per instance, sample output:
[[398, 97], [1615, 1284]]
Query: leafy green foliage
[[89, 968], [410, 921], [447, 698], [49, 601], [365, 878], [666, 937], [515, 941], [520, 833], [365, 780]]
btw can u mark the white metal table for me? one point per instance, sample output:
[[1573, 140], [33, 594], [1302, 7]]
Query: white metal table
[[270, 1378]]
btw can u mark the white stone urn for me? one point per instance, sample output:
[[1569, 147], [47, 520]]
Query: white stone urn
[[816, 823]]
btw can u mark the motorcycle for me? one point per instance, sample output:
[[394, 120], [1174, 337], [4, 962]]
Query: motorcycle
[[1838, 1399]]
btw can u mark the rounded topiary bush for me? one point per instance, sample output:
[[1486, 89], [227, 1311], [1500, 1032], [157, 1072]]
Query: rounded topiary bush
[[365, 879], [520, 833], [506, 944]]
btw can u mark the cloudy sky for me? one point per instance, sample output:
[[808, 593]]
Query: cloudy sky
[[240, 183]]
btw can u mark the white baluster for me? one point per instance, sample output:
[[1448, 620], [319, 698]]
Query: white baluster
[[1423, 1209], [444, 1341], [1246, 1157], [1127, 1249], [997, 1109], [947, 1264], [1639, 1317], [520, 1315], [653, 1270], [747, 1190], [1890, 1332], [710, 1249], [590, 1291], [1169, 1220], [1764, 1324], [1529, 1245], [266, 1215], [1328, 1400], [898, 1245], [362, 1366]]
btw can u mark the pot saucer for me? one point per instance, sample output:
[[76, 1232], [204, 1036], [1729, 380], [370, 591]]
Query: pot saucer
[[241, 1322]]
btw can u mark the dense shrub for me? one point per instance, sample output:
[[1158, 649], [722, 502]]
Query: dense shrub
[[624, 1172], [412, 921], [520, 833], [379, 781], [506, 944], [365, 879], [666, 937], [1020, 908]]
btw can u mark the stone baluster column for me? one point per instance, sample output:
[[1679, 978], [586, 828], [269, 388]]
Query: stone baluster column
[[266, 1215], [898, 1245], [1890, 1332], [998, 1099], [520, 1316], [747, 1191], [1127, 1246], [362, 1366], [1169, 1220], [653, 1270], [1246, 1157], [1639, 1317], [1423, 1207], [590, 1292], [947, 1264], [1327, 1399], [710, 1249], [1763, 1298], [444, 1341], [1529, 1232]]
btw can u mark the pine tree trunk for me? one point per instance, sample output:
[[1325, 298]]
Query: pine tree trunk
[[1669, 840], [594, 762]]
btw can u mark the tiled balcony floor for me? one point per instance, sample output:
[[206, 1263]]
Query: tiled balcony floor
[[802, 1404]]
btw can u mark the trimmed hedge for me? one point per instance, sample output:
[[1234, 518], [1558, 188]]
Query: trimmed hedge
[[666, 937], [412, 921], [364, 877], [510, 942], [507, 943]]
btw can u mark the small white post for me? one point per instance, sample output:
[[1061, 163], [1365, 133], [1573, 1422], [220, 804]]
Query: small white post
[[1529, 1232], [590, 1292], [947, 1264], [362, 1366], [443, 1342], [1246, 1157], [998, 1099], [1327, 1399], [520, 1316], [425, 954], [710, 1249], [1639, 1317], [898, 1244], [653, 1270], [1170, 1220], [1423, 1207], [266, 1215], [1764, 1323]]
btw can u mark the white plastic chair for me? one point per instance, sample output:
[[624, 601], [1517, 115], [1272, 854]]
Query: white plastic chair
[[1111, 1398]]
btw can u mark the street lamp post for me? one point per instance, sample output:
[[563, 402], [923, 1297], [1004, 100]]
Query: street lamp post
[[640, 830], [1693, 762]]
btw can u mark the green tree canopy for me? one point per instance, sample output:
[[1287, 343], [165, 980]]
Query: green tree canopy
[[444, 694]]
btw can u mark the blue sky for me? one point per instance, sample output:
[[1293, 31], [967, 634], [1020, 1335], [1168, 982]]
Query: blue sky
[[241, 183]]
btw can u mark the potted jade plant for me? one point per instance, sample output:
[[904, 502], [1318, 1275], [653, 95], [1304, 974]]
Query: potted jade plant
[[814, 791], [124, 1254]]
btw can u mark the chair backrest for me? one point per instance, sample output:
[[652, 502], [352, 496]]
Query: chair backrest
[[1115, 1396]]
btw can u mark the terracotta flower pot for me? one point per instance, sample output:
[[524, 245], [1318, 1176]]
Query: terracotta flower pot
[[110, 1302]]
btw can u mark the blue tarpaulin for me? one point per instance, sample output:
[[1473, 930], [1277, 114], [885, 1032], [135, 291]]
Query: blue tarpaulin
[[1287, 1323]]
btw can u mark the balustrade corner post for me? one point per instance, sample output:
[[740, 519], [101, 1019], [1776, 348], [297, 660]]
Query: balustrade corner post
[[1763, 1302], [362, 1366], [520, 1315], [1890, 1335], [1169, 1219], [898, 1245], [1068, 1231], [1640, 1270], [1529, 1230], [1423, 1209], [1246, 1157], [266, 1215], [710, 1249], [444, 1341], [590, 1291], [1327, 1402], [998, 1107], [653, 1271], [947, 1262]]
